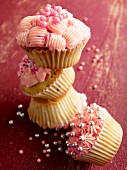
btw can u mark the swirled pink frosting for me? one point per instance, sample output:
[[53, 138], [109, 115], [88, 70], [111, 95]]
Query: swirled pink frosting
[[55, 28], [86, 127], [30, 74]]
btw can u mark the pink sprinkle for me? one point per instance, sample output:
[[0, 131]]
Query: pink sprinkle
[[48, 5], [43, 141], [71, 22], [55, 134], [44, 151], [59, 9], [64, 15], [97, 50], [88, 49], [54, 13], [30, 138], [43, 18], [38, 160], [80, 68], [59, 142], [43, 24], [85, 19], [47, 155], [47, 14], [47, 9], [20, 152], [82, 63], [97, 57], [101, 60], [42, 12], [55, 8], [61, 17], [56, 20], [93, 47]]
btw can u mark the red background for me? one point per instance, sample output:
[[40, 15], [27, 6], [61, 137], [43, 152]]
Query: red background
[[107, 20]]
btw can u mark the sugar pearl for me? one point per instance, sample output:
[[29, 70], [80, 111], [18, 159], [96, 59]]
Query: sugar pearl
[[47, 8], [38, 160], [20, 152], [43, 18], [56, 20], [43, 24]]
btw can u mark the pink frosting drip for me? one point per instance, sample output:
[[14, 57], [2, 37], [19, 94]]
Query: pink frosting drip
[[33, 30], [86, 127], [31, 74]]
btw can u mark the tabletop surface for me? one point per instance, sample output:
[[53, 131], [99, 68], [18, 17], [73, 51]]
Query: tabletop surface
[[103, 79]]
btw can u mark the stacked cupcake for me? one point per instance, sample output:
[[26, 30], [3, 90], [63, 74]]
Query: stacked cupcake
[[53, 41]]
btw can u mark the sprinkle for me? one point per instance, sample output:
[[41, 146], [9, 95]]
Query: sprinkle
[[47, 155], [56, 20], [94, 86], [18, 113], [97, 56], [55, 134], [72, 134], [20, 152], [20, 106], [82, 63], [81, 125], [44, 151], [62, 136], [43, 18], [81, 138], [43, 24], [10, 122], [59, 142], [38, 160], [97, 50], [67, 134], [71, 22], [48, 150], [85, 19], [80, 148], [99, 116], [60, 149], [91, 123], [55, 143], [36, 135], [22, 114], [79, 112], [72, 125], [30, 138], [45, 133], [46, 145], [88, 49], [93, 47], [47, 9], [80, 68], [43, 141], [74, 144], [66, 151]]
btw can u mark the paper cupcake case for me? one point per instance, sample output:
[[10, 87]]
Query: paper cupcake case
[[55, 59], [59, 87], [107, 143], [51, 114]]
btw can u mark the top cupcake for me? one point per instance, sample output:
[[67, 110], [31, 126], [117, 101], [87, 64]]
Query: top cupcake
[[53, 28]]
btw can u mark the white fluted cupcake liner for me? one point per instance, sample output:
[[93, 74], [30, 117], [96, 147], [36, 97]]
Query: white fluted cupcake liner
[[107, 143], [59, 87], [55, 59], [51, 114]]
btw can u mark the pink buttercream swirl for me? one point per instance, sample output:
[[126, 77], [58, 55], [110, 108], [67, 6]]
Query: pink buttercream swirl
[[86, 127], [67, 30], [30, 74]]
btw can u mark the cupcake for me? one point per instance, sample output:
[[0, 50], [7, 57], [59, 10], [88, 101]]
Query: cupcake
[[53, 38], [42, 82], [95, 136], [56, 113]]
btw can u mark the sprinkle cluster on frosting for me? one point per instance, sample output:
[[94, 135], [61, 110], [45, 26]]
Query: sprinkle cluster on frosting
[[55, 28], [31, 74], [86, 127]]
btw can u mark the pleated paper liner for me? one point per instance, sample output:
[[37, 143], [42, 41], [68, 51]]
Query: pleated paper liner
[[56, 89], [107, 144], [55, 59], [51, 114]]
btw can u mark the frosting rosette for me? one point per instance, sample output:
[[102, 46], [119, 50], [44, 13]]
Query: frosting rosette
[[95, 136], [53, 33]]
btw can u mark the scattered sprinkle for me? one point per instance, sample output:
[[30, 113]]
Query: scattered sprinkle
[[55, 134], [44, 151], [62, 136], [88, 49], [45, 133], [82, 63], [20, 106], [43, 142], [59, 142], [22, 114], [97, 50], [38, 160], [55, 143], [47, 155], [85, 19], [60, 149], [93, 47], [20, 152], [46, 145], [94, 86], [36, 135], [48, 150], [18, 113], [30, 138], [10, 122]]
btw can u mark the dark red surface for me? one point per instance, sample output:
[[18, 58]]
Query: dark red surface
[[107, 20]]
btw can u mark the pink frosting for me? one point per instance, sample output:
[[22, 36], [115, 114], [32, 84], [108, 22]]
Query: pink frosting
[[34, 30], [30, 74], [86, 127]]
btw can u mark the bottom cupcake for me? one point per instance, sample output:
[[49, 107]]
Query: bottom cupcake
[[56, 113], [95, 136]]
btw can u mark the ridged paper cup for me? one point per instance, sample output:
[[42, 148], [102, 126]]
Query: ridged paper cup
[[56, 89], [55, 59], [57, 113], [105, 146]]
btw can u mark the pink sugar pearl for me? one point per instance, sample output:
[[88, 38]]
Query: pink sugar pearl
[[61, 17], [64, 15], [47, 155], [48, 5], [20, 152], [59, 9], [55, 8], [47, 9], [42, 12], [54, 13], [47, 14], [43, 18], [71, 22], [44, 151], [56, 20], [43, 24]]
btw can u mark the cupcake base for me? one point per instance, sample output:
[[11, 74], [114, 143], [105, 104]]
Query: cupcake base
[[55, 59], [55, 113]]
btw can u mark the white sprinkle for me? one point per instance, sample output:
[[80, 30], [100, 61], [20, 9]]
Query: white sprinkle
[[60, 149], [18, 113], [97, 50], [22, 114], [85, 19], [80, 68], [20, 106], [45, 133], [55, 143], [46, 145], [94, 86], [82, 63], [36, 135], [48, 150], [11, 122]]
